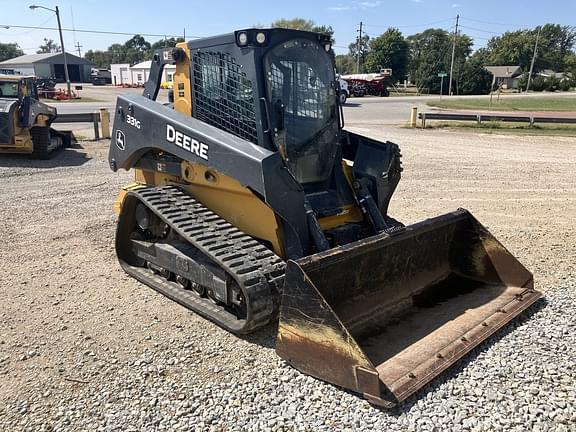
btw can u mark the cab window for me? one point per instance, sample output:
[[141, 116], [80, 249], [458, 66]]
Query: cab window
[[9, 89]]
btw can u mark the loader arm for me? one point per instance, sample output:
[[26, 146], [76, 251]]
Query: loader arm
[[251, 199], [162, 129]]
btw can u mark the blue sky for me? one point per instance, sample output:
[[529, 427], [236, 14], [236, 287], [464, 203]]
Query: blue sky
[[479, 19]]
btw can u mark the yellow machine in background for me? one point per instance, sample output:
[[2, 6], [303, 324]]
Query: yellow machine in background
[[25, 121]]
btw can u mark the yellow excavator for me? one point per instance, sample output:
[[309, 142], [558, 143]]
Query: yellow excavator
[[252, 202], [25, 120]]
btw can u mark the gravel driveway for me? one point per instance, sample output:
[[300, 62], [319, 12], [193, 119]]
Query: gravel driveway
[[85, 347]]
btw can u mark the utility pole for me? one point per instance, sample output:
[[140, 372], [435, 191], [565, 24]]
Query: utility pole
[[63, 53], [453, 51], [57, 12], [533, 59], [358, 48], [78, 46]]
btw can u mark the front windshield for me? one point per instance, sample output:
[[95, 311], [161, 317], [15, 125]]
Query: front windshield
[[9, 89], [301, 92]]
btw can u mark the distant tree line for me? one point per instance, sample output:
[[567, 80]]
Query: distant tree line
[[134, 50], [418, 58], [10, 50]]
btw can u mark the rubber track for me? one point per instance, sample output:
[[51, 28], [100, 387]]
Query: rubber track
[[258, 271]]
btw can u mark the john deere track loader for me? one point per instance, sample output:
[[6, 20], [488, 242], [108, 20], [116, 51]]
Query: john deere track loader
[[25, 121], [251, 201]]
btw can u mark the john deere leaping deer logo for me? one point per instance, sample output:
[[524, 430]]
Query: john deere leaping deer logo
[[120, 140]]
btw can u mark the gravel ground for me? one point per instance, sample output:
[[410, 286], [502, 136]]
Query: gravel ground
[[85, 347]]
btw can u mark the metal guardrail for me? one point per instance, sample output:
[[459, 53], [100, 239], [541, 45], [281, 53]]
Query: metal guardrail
[[479, 118], [101, 117]]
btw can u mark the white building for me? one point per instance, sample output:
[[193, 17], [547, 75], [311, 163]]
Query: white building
[[123, 73]]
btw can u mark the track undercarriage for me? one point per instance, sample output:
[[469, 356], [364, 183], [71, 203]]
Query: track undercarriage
[[172, 243]]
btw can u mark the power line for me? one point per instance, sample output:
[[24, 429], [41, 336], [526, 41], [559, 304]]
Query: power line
[[50, 18], [495, 23], [412, 25], [95, 31], [480, 30]]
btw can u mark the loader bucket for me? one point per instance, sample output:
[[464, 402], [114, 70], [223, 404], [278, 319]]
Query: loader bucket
[[384, 315]]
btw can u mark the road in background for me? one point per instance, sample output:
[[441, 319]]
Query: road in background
[[368, 110]]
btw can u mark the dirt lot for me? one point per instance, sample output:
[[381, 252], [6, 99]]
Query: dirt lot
[[83, 346]]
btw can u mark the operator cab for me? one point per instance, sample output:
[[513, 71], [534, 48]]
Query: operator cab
[[301, 91], [8, 89]]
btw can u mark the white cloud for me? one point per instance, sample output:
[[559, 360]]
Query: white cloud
[[456, 5], [339, 8], [358, 5], [416, 1], [371, 4]]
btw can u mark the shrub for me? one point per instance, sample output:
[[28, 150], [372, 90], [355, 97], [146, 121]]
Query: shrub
[[551, 84], [538, 84], [565, 84]]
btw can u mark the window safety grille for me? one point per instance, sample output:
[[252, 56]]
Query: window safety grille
[[304, 94], [223, 96]]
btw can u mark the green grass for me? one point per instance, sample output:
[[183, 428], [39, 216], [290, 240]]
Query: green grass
[[82, 99], [568, 130], [509, 103]]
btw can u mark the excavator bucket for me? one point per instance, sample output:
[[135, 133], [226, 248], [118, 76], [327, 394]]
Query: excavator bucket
[[385, 315]]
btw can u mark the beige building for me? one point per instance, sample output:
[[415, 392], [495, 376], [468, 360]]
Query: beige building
[[505, 76]]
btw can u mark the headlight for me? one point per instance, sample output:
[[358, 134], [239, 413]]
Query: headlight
[[260, 37], [243, 39]]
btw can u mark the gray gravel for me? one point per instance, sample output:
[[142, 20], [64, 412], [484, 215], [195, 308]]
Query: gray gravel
[[84, 347]]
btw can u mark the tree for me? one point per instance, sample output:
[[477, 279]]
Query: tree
[[474, 78], [327, 30], [166, 43], [306, 25], [389, 50], [49, 46], [99, 58], [134, 50], [364, 50], [345, 64], [10, 50], [517, 48], [117, 53], [556, 44], [430, 54], [295, 23], [570, 61], [137, 43], [511, 48]]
